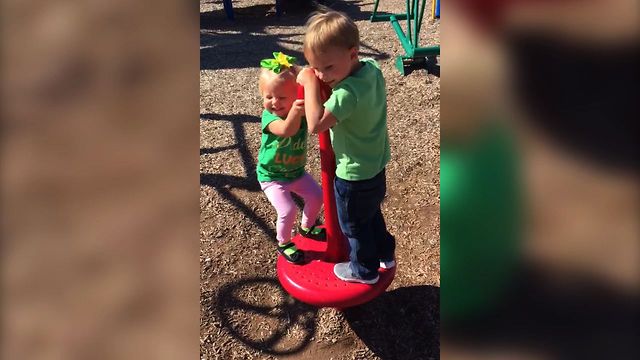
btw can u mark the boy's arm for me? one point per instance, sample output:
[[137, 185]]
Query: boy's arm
[[318, 118], [289, 126]]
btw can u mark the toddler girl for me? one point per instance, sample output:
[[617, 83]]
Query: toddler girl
[[282, 156]]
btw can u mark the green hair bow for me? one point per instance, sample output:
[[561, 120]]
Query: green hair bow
[[279, 62]]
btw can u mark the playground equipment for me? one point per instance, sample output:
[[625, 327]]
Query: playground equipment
[[415, 55], [314, 282]]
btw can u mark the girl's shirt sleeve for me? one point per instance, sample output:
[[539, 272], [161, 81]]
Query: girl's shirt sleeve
[[268, 118]]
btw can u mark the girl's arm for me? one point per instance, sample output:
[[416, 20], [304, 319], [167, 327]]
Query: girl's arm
[[289, 126], [318, 118]]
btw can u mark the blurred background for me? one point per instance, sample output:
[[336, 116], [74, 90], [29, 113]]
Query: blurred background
[[99, 179], [539, 168]]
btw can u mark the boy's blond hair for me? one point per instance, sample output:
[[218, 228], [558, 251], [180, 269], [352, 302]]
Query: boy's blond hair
[[330, 29]]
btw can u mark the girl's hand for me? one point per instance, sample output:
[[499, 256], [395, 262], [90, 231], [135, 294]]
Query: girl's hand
[[298, 107], [306, 76]]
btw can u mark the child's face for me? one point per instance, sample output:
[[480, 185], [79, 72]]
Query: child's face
[[333, 65], [278, 95]]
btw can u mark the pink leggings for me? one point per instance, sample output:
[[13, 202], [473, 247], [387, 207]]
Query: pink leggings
[[279, 194]]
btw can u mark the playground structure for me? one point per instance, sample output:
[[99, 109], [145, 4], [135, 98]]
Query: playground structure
[[415, 56], [314, 282]]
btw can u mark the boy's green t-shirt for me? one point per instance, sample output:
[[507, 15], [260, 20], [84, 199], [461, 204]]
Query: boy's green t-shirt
[[281, 159], [360, 139]]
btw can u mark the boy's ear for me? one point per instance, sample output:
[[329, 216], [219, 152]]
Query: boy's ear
[[353, 52]]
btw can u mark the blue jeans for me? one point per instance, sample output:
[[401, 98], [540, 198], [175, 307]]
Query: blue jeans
[[358, 204]]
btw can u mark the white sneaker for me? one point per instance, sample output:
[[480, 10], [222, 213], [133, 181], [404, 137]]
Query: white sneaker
[[343, 272], [387, 264]]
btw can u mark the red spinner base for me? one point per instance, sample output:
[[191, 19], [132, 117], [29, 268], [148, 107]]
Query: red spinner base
[[315, 283]]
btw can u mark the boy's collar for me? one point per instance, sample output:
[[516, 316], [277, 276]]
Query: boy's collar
[[356, 67]]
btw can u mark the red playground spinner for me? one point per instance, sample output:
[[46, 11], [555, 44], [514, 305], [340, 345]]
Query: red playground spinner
[[314, 282]]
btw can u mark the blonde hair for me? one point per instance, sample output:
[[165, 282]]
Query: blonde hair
[[267, 75], [330, 29]]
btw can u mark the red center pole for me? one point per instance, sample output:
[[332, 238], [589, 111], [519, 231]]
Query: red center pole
[[337, 245]]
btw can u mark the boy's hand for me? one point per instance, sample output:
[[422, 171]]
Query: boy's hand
[[298, 107], [306, 76]]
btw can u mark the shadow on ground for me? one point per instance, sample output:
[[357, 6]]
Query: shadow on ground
[[260, 314], [402, 324], [224, 184], [244, 42]]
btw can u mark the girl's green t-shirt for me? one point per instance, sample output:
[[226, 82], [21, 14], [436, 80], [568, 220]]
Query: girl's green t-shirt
[[281, 159]]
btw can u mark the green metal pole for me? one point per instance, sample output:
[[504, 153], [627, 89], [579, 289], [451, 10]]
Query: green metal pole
[[375, 9], [427, 51], [408, 48], [375, 17], [387, 17], [421, 15], [416, 24], [409, 14]]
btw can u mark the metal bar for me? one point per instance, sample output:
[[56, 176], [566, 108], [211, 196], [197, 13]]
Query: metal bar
[[426, 51], [408, 48], [422, 14], [387, 17], [409, 14], [375, 10], [416, 24]]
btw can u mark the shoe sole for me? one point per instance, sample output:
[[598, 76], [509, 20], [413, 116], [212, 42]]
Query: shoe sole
[[360, 281], [383, 264], [300, 262], [294, 263]]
